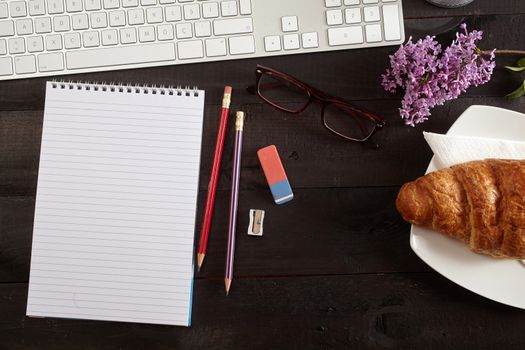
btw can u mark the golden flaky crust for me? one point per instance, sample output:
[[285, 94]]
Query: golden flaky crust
[[481, 203]]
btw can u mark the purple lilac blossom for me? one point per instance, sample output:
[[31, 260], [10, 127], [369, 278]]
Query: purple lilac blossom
[[431, 76]]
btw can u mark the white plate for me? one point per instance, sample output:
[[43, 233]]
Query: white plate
[[500, 280]]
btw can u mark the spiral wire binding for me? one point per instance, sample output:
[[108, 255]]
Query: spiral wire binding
[[126, 88]]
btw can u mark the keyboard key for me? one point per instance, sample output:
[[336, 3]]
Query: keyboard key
[[61, 23], [35, 44], [99, 20], [353, 15], [173, 13], [25, 64], [190, 49], [74, 5], [373, 33], [289, 24], [51, 62], [391, 22], [24, 26], [16, 45], [165, 32], [148, 2], [345, 36], [146, 34], [111, 4], [7, 28], [291, 41], [370, 1], [310, 40], [233, 26], [123, 55], [154, 15], [17, 9], [216, 47], [183, 31], [130, 3], [72, 41], [128, 36], [55, 7], [210, 10], [36, 8], [43, 25], [240, 45], [53, 42], [272, 43], [6, 66], [90, 39], [229, 8], [192, 11], [117, 18], [93, 5], [353, 2], [202, 29], [332, 3], [371, 13], [3, 47], [163, 2], [334, 17], [136, 17], [80, 21], [245, 7], [109, 37], [3, 10]]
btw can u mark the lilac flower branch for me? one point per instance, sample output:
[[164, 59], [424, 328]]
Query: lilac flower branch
[[431, 76], [503, 52]]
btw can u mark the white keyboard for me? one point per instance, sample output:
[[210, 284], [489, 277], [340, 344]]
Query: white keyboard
[[54, 37]]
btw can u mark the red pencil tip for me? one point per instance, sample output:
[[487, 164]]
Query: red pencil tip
[[200, 260]]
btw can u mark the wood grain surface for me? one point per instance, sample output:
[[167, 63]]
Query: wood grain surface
[[334, 269]]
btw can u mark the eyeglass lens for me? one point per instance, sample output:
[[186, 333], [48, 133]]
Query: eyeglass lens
[[283, 93], [347, 122]]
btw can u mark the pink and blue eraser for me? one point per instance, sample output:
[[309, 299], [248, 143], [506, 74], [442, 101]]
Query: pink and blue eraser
[[275, 175]]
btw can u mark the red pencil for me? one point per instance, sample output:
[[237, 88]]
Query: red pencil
[[212, 187]]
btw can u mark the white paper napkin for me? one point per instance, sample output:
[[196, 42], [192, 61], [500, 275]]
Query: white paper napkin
[[451, 150]]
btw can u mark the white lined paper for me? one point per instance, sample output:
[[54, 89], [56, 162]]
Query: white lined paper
[[116, 202]]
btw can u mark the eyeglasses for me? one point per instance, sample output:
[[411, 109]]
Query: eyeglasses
[[291, 95]]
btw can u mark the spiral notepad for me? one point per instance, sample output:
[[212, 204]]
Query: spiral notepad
[[116, 203]]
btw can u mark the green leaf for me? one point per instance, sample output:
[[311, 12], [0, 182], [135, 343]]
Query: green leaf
[[521, 62], [515, 69], [518, 92]]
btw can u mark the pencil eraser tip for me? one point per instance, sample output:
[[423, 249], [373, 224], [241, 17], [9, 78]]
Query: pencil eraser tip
[[227, 89]]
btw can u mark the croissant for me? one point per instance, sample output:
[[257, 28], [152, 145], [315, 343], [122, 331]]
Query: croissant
[[481, 203]]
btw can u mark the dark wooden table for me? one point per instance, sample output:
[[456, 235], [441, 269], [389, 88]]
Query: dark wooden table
[[334, 269]]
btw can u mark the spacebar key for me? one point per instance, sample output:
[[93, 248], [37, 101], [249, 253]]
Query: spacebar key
[[118, 56]]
